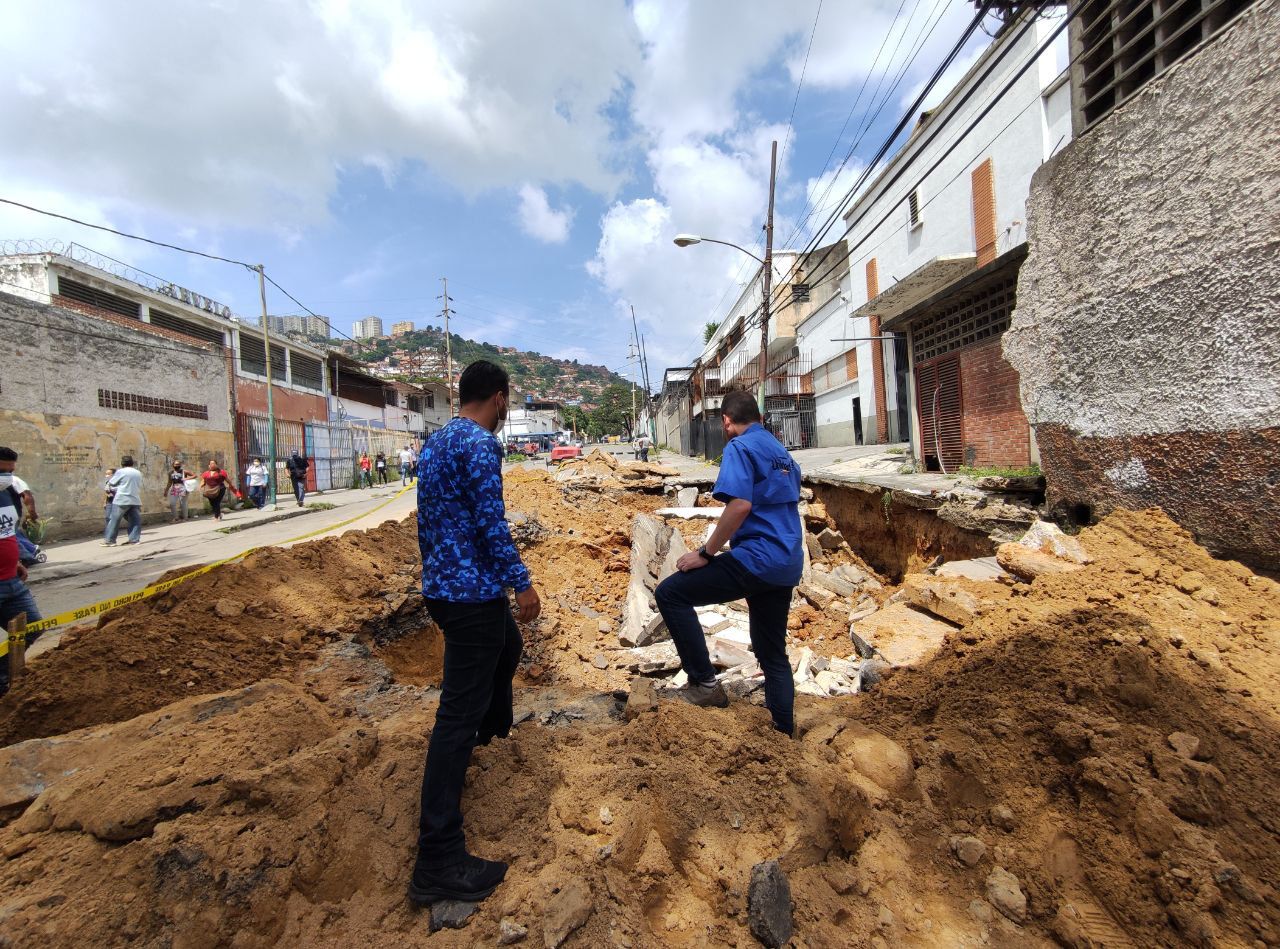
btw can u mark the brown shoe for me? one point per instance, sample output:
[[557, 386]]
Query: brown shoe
[[704, 696]]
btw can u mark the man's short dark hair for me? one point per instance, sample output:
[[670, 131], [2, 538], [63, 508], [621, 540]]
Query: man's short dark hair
[[8, 454], [481, 380], [126, 461], [740, 407]]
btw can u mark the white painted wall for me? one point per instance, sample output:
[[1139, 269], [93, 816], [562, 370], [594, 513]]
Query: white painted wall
[[1017, 135]]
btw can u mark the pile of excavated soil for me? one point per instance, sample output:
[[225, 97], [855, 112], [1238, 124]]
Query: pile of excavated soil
[[237, 624], [1090, 761]]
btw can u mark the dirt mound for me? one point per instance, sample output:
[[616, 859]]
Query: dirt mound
[[233, 626], [1089, 761]]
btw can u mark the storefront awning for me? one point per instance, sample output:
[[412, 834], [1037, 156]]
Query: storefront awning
[[919, 285]]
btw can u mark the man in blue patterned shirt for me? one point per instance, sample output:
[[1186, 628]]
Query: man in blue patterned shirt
[[469, 561]]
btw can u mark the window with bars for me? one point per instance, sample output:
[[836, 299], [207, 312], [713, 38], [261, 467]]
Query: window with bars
[[131, 402], [431, 400], [1123, 44], [253, 358], [969, 320], [168, 321], [92, 296], [306, 372]]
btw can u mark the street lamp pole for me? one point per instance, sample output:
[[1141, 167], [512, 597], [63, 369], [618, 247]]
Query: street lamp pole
[[766, 278], [766, 269]]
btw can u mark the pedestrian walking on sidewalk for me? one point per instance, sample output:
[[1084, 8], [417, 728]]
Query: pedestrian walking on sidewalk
[[366, 470], [380, 467], [176, 492], [297, 466], [407, 474], [108, 495], [15, 597], [469, 561], [126, 504], [256, 479], [214, 484], [760, 485]]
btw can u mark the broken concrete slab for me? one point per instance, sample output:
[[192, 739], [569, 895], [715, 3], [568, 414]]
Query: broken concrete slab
[[950, 599], [1049, 538], [858, 577], [687, 497], [653, 659], [834, 583], [690, 513], [1027, 564], [902, 635], [817, 597], [830, 539], [726, 654], [980, 568], [655, 549]]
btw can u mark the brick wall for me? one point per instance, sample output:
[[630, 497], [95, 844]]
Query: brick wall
[[995, 429]]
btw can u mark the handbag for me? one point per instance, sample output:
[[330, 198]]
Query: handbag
[[212, 491]]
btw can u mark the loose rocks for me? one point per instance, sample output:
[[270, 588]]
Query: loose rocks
[[567, 911], [451, 914], [1005, 893], [968, 850], [510, 932], [769, 904]]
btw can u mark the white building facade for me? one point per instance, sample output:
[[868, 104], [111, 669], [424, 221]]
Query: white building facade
[[950, 202]]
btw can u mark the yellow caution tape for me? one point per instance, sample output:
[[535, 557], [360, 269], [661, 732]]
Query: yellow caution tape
[[104, 606]]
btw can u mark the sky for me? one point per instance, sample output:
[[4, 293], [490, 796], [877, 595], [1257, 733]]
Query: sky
[[541, 156]]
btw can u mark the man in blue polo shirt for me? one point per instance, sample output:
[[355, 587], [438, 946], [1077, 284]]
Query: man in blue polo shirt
[[760, 485]]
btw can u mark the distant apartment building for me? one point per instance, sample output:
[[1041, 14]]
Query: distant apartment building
[[368, 328], [300, 324], [404, 326]]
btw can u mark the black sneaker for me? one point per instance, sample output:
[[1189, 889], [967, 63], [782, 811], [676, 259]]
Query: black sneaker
[[470, 880]]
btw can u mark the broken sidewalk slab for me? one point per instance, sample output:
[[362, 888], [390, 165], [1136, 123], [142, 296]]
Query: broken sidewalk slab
[[1027, 564], [1048, 538], [950, 600], [902, 635], [980, 568], [655, 549], [686, 497]]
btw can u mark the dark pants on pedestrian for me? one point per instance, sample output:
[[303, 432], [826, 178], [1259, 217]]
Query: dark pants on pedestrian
[[15, 598], [258, 495], [300, 490], [215, 502], [481, 651], [722, 581], [382, 475]]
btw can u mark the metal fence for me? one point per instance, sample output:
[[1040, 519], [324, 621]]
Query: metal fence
[[333, 447]]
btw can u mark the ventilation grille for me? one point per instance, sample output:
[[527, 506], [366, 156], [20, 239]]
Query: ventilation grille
[[966, 322], [83, 293], [130, 402], [205, 334]]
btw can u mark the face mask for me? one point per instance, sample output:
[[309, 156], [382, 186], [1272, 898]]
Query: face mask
[[6, 481]]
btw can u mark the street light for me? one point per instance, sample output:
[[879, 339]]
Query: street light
[[766, 270]]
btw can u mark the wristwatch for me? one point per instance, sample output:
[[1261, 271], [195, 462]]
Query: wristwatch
[[705, 554]]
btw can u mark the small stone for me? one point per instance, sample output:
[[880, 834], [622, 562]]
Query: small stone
[[980, 910], [509, 931], [1003, 818], [605, 626], [769, 904], [228, 608], [606, 816], [1004, 891], [451, 914], [642, 698], [1188, 746], [567, 912], [968, 850], [599, 661], [830, 540]]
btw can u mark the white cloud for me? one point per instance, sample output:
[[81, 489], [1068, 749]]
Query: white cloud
[[247, 113], [541, 221]]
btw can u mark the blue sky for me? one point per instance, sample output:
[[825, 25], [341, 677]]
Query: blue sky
[[540, 155]]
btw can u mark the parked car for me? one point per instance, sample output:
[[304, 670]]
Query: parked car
[[562, 453]]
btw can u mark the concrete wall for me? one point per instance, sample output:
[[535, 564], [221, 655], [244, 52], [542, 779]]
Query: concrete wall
[[50, 412], [1147, 332]]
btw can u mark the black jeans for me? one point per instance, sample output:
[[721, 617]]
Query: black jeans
[[722, 581], [482, 648], [299, 489]]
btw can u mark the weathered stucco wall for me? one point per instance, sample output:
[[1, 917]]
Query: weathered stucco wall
[[1147, 332], [50, 412]]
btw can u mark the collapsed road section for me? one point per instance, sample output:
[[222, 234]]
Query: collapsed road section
[[1060, 740]]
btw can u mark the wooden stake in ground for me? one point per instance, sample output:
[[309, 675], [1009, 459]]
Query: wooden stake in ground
[[17, 647]]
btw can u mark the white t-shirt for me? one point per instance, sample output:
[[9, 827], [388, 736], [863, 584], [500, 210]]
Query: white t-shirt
[[406, 456], [19, 485], [257, 475]]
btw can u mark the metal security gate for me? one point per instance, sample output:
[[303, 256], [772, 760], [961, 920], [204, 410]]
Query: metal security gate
[[940, 407]]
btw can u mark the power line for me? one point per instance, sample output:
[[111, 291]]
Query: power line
[[135, 237], [800, 85]]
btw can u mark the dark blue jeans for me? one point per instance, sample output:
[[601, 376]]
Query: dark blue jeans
[[482, 648], [300, 491], [722, 581], [15, 598], [258, 495]]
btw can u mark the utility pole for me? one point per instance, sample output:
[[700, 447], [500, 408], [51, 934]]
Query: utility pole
[[448, 340], [271, 406], [644, 361], [767, 278]]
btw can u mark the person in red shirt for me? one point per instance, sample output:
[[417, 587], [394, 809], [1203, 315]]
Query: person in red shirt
[[15, 598], [214, 482], [366, 470]]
